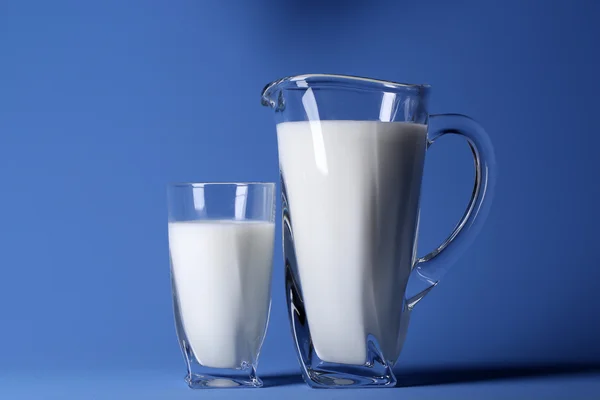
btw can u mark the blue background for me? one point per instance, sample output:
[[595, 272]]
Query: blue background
[[103, 103]]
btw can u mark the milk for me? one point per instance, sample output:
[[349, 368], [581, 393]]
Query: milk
[[222, 275], [353, 194]]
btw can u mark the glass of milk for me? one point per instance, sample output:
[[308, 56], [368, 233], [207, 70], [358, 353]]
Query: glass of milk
[[221, 246]]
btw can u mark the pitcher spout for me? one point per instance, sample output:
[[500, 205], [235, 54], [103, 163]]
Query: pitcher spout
[[272, 95]]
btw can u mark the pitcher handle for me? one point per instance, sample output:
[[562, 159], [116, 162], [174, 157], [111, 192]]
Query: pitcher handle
[[428, 270]]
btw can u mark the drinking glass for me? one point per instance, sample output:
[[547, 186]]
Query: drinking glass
[[221, 248]]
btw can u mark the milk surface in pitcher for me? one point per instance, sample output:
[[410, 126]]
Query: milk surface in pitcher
[[353, 190]]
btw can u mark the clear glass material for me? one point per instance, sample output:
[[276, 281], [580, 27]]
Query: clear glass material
[[221, 239], [351, 157]]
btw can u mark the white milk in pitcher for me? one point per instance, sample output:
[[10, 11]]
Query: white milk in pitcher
[[353, 192], [222, 274]]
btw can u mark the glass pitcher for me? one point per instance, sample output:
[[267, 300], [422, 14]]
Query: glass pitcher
[[351, 157]]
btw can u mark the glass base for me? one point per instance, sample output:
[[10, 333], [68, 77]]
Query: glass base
[[203, 377], [206, 381]]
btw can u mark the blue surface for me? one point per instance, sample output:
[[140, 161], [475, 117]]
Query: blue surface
[[152, 385], [103, 103]]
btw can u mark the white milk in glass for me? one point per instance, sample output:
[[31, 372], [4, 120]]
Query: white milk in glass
[[222, 274], [353, 192]]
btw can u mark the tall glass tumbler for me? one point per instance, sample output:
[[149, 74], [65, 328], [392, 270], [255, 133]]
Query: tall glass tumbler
[[221, 239]]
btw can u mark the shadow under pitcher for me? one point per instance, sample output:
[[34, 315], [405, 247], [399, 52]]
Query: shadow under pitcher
[[351, 157]]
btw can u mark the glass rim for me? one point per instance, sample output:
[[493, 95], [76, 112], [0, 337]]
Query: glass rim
[[304, 81], [217, 183], [340, 78]]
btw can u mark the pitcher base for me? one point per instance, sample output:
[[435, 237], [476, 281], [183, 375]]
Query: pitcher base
[[336, 376]]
